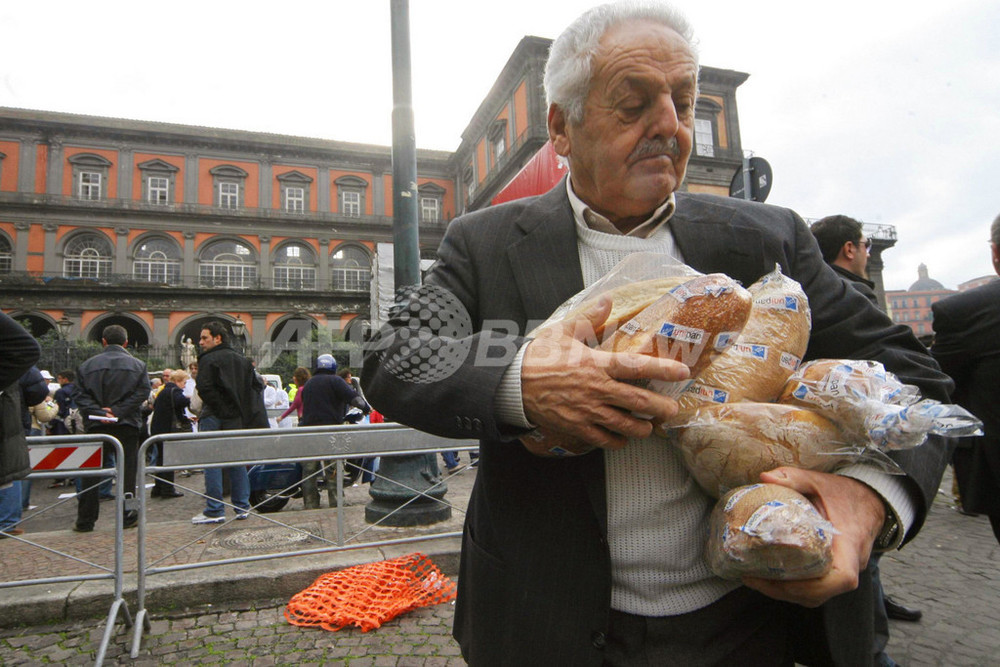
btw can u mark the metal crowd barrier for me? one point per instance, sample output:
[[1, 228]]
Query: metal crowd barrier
[[218, 449], [59, 456]]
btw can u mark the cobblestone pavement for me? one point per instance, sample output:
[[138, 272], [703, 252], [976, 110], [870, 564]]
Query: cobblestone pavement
[[250, 634], [949, 572]]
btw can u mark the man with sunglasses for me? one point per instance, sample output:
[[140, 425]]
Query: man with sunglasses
[[845, 248]]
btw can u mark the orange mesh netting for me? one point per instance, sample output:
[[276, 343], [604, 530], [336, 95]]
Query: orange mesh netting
[[368, 595]]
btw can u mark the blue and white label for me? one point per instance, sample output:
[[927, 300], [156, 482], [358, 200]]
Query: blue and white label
[[751, 351], [682, 333]]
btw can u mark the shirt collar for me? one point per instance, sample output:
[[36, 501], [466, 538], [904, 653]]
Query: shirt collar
[[588, 217]]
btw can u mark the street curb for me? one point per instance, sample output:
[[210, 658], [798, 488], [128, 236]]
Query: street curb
[[42, 604]]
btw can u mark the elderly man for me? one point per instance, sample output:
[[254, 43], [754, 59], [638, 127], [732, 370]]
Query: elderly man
[[597, 559]]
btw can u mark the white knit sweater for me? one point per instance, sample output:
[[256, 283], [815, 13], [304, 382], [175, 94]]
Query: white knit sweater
[[657, 514]]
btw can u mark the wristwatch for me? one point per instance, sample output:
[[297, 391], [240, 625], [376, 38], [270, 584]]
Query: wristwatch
[[890, 530]]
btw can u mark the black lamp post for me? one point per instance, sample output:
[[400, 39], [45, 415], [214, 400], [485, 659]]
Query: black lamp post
[[239, 330], [63, 326]]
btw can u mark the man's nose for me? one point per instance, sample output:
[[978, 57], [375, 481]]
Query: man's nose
[[663, 120]]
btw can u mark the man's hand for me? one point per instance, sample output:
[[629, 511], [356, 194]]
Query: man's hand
[[573, 390], [857, 513]]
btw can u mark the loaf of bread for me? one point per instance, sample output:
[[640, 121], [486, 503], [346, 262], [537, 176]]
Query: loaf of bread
[[691, 323], [729, 445], [627, 301], [770, 532], [766, 353], [848, 392]]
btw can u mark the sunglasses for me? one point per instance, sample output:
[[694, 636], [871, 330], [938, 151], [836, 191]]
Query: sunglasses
[[867, 244]]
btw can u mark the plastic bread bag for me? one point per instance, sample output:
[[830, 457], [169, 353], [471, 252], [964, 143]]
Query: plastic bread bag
[[768, 531], [767, 351], [634, 283], [872, 407], [728, 445], [692, 322]]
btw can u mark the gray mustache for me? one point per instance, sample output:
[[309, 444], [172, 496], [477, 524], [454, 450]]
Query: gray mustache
[[656, 147]]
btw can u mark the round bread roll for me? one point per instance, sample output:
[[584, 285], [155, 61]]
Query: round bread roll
[[767, 351], [729, 445], [768, 531]]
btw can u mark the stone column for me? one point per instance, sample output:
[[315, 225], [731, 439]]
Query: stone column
[[125, 160], [21, 246], [161, 330], [188, 268], [264, 268], [323, 270], [54, 172], [121, 263], [26, 167], [50, 263], [323, 195], [191, 179]]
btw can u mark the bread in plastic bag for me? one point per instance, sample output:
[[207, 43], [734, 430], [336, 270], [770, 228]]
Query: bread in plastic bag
[[728, 445], [767, 351], [872, 407], [770, 532]]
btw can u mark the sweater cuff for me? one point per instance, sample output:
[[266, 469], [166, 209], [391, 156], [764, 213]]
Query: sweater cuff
[[893, 492], [509, 404]]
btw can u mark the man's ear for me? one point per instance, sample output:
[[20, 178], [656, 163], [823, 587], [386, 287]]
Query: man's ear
[[557, 130], [848, 250], [995, 250]]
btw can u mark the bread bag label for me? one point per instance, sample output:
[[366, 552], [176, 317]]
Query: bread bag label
[[682, 333], [725, 340], [737, 494], [706, 393], [789, 361], [780, 302], [631, 328], [751, 351]]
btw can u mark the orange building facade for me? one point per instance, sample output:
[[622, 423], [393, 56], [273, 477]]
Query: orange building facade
[[162, 227]]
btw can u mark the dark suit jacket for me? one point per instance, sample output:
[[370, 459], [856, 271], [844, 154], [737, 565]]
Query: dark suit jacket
[[967, 345], [535, 578]]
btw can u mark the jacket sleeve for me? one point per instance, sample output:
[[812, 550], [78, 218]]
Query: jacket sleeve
[[20, 350]]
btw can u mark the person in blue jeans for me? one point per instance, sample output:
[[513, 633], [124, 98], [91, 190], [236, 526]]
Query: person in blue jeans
[[232, 396]]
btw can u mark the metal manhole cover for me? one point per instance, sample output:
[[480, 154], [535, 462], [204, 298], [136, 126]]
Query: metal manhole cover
[[269, 538]]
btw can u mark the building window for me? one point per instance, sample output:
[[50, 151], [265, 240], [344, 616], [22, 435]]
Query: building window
[[704, 139], [157, 261], [295, 200], [229, 186], [90, 185], [498, 139], [87, 256], [229, 195], [351, 269], [295, 267], [157, 190], [351, 204], [430, 209], [6, 255], [431, 196], [158, 177], [90, 173], [351, 195], [228, 265], [294, 188]]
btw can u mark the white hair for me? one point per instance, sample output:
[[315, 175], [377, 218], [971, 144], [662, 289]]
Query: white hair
[[568, 70]]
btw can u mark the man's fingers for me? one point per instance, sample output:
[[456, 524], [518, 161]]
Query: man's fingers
[[627, 366]]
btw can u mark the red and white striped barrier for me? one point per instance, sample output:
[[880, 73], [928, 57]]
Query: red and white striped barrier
[[47, 457]]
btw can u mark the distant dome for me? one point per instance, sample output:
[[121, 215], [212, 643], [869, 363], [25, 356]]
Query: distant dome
[[924, 282]]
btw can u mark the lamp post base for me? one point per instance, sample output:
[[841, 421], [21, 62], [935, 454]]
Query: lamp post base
[[408, 492]]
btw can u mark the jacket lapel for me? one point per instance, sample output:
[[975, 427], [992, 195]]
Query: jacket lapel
[[711, 243], [546, 261]]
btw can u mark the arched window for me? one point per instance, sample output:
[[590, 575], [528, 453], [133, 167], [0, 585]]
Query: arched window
[[227, 264], [351, 268], [87, 256], [157, 260], [6, 255], [295, 267]]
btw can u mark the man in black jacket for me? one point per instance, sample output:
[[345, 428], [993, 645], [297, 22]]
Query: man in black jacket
[[232, 395], [21, 351], [110, 390], [845, 248]]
